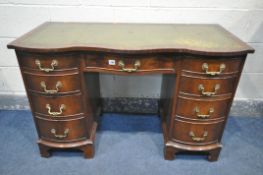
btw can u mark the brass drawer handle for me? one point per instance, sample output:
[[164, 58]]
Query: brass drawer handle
[[208, 94], [203, 116], [61, 108], [198, 139], [51, 91], [221, 69], [137, 64], [53, 64], [53, 131]]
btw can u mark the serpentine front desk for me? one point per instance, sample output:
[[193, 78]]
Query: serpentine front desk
[[200, 64]]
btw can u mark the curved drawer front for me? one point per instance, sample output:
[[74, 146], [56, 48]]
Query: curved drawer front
[[206, 87], [212, 67], [62, 131], [48, 63], [57, 106], [196, 133], [130, 64], [202, 109], [47, 84]]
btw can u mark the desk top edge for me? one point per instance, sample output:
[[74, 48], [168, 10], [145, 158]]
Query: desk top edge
[[40, 38]]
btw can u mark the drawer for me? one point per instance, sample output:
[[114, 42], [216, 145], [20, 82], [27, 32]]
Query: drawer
[[202, 109], [48, 63], [212, 66], [57, 106], [206, 87], [57, 84], [196, 133], [126, 63], [62, 131]]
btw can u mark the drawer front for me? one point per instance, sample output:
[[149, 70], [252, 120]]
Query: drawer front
[[57, 106], [196, 133], [130, 64], [206, 87], [212, 67], [202, 110], [49, 63], [46, 84], [62, 131]]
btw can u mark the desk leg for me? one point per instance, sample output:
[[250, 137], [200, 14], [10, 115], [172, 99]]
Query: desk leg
[[44, 150], [169, 153], [214, 154], [88, 151]]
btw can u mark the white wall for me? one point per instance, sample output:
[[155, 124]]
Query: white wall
[[241, 17]]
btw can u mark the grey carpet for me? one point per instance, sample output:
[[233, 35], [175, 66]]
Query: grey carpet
[[128, 145]]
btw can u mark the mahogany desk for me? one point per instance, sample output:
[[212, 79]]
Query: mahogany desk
[[200, 64]]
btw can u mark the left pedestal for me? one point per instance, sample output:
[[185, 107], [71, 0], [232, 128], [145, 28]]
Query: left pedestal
[[58, 94]]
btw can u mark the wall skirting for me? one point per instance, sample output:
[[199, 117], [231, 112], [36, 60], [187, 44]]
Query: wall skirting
[[253, 108]]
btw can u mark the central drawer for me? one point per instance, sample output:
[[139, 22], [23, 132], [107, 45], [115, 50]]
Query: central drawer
[[124, 63]]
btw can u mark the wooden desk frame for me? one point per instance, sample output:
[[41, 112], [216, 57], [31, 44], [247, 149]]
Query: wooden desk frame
[[198, 85]]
